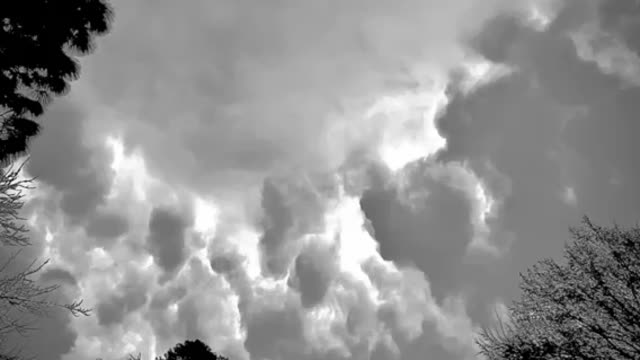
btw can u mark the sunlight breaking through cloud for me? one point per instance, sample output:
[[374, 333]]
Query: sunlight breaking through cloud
[[409, 121]]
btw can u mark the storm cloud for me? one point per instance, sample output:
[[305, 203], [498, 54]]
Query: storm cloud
[[329, 180]]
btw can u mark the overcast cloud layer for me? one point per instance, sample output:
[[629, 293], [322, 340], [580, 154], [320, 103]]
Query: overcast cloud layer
[[328, 180]]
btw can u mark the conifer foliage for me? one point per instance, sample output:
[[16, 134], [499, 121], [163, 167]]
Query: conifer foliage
[[39, 43], [191, 350]]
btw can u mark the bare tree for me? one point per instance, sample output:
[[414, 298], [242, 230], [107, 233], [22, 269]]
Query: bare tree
[[13, 232], [22, 299], [587, 307]]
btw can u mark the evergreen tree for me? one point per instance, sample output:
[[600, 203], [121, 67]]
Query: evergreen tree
[[39, 43], [191, 350]]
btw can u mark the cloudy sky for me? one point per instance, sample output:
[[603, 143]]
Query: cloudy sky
[[328, 180]]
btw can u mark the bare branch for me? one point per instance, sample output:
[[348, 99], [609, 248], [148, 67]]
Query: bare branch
[[22, 298], [12, 190], [584, 308]]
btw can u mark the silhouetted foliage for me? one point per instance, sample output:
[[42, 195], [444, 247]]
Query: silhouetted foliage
[[191, 350], [587, 307], [39, 42]]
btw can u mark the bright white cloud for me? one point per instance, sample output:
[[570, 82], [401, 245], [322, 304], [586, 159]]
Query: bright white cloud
[[128, 168], [407, 125], [480, 72], [206, 216], [542, 12]]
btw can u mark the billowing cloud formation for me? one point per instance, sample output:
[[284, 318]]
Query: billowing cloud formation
[[65, 161], [256, 81], [313, 267], [126, 298], [166, 239], [435, 202], [107, 226], [335, 180], [549, 129]]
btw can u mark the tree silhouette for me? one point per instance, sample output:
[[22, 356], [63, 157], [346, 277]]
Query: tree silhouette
[[39, 42], [587, 307], [191, 350]]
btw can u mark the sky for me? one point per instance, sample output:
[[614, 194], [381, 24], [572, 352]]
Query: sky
[[327, 180]]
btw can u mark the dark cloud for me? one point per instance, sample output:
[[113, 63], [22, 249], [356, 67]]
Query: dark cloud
[[275, 334], [226, 264], [54, 336], [60, 158], [517, 126], [429, 346], [127, 298], [313, 271], [291, 208], [499, 37], [559, 122], [166, 240], [58, 276], [111, 312], [605, 140], [107, 226], [277, 223], [622, 18], [431, 232], [382, 351]]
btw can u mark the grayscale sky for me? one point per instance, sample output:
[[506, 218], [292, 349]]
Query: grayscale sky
[[328, 179]]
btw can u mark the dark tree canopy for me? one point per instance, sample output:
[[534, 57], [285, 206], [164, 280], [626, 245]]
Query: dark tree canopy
[[39, 42], [191, 350], [587, 307]]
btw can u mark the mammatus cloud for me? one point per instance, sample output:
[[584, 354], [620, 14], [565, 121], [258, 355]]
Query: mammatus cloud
[[166, 239], [333, 269], [286, 190]]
